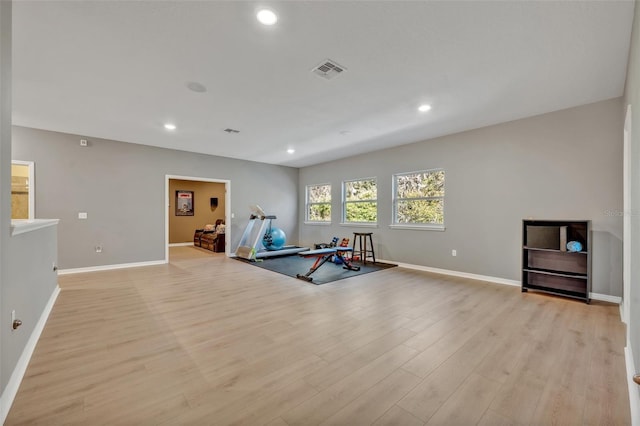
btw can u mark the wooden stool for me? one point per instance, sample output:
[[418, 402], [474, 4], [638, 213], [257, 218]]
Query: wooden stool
[[363, 251]]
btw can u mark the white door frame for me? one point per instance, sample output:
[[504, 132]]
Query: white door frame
[[227, 209], [626, 233]]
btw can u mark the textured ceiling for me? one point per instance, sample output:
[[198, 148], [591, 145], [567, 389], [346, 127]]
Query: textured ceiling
[[119, 70]]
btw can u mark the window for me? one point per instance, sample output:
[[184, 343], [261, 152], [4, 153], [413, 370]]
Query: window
[[319, 203], [419, 198], [360, 201]]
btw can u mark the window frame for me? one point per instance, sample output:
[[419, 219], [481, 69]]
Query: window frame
[[417, 225], [308, 204], [345, 202]]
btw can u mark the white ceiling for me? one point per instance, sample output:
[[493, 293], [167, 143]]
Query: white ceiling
[[118, 70]]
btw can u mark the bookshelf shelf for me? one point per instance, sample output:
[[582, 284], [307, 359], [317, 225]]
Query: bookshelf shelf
[[554, 250], [547, 266]]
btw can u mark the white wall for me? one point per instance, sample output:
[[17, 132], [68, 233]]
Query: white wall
[[632, 97], [5, 172], [562, 165]]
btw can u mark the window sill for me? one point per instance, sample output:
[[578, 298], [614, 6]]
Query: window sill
[[439, 228], [359, 225], [318, 223]]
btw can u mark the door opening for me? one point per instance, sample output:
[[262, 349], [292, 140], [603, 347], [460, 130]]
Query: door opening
[[190, 203], [23, 190]]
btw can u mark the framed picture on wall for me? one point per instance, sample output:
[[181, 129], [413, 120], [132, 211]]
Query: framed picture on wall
[[184, 203]]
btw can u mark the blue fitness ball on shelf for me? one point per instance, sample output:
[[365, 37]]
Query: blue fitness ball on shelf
[[275, 239], [574, 246]]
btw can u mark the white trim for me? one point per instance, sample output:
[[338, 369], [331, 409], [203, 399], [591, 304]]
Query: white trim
[[634, 395], [20, 226], [180, 244], [359, 224], [110, 267], [455, 273], [10, 391], [318, 223], [605, 298], [497, 280], [419, 227], [227, 209], [626, 221]]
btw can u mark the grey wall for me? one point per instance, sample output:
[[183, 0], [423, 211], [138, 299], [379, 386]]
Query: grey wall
[[27, 279], [122, 188], [632, 97], [562, 165], [32, 282]]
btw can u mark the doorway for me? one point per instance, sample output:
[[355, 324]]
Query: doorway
[[22, 190], [201, 202]]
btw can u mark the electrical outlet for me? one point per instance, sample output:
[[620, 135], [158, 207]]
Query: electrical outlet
[[83, 142], [454, 252], [99, 248], [82, 215]]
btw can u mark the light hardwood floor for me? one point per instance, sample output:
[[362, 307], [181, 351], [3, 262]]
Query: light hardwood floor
[[210, 340]]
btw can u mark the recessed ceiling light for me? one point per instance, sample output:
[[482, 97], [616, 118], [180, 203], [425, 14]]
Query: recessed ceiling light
[[291, 150], [267, 17], [424, 108], [169, 126]]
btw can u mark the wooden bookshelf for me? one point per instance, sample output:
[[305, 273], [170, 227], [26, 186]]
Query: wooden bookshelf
[[548, 266]]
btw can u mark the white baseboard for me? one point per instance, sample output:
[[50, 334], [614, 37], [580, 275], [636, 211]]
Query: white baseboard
[[180, 244], [634, 395], [110, 267], [606, 298], [455, 273], [13, 385], [497, 280]]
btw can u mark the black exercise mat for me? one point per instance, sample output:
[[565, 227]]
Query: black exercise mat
[[329, 272]]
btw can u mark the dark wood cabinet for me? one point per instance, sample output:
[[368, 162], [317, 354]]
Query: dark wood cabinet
[[219, 244], [209, 240], [548, 265]]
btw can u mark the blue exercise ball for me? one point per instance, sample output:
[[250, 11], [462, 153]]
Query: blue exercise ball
[[574, 246], [275, 239]]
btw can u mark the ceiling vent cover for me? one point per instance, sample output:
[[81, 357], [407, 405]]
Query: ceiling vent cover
[[328, 69]]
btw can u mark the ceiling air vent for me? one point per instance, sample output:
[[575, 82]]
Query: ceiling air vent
[[328, 69], [230, 131]]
